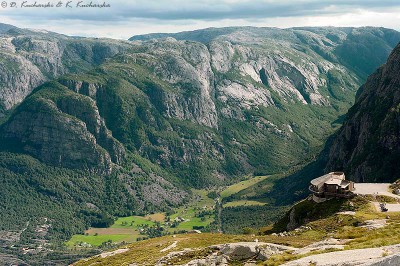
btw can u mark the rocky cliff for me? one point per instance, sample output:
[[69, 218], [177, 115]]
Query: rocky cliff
[[63, 129], [29, 58], [367, 145], [243, 100]]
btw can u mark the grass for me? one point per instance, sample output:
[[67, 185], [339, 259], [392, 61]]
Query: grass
[[148, 252], [204, 199], [188, 225], [127, 228], [235, 188], [201, 203], [124, 229], [320, 226], [156, 217], [97, 240], [243, 203], [132, 222], [387, 199]]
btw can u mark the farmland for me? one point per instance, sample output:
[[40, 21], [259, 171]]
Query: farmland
[[235, 188], [243, 203], [197, 214]]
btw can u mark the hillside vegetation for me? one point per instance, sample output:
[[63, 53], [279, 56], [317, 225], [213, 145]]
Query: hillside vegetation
[[319, 228]]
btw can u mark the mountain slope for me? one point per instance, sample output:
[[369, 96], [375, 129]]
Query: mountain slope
[[367, 146], [251, 100], [193, 119], [29, 58], [360, 49]]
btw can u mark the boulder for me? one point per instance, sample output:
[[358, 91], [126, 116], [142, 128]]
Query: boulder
[[241, 250], [387, 261]]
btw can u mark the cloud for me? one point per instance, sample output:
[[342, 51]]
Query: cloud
[[141, 16], [175, 10]]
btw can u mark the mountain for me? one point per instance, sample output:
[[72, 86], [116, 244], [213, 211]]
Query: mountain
[[5, 27], [367, 145], [202, 35], [252, 99], [359, 49], [31, 57], [95, 129]]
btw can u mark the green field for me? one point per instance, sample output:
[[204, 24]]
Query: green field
[[243, 203], [97, 240], [127, 228], [188, 212], [124, 229], [188, 225], [132, 222], [235, 188]]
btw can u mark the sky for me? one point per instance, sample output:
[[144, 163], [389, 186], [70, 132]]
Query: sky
[[122, 19]]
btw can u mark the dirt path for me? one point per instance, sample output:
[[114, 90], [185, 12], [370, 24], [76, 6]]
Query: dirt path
[[112, 253], [173, 245]]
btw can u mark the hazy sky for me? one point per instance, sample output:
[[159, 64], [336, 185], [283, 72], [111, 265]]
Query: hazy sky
[[126, 18]]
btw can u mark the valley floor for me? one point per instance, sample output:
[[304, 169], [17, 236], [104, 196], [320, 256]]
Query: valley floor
[[202, 213], [336, 232]]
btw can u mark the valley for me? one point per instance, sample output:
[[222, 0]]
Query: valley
[[179, 148], [200, 214], [345, 230]]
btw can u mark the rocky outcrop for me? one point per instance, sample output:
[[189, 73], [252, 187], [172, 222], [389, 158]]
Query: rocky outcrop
[[364, 257], [19, 80], [272, 68], [226, 254], [186, 67], [367, 146], [285, 60], [29, 58], [388, 261], [65, 130], [251, 250]]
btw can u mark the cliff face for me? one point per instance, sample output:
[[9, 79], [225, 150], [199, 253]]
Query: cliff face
[[63, 129], [186, 67], [240, 101], [367, 146], [29, 58]]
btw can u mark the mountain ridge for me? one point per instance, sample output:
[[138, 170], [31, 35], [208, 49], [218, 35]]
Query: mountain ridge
[[366, 145]]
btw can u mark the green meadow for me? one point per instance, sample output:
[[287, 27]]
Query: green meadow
[[235, 188]]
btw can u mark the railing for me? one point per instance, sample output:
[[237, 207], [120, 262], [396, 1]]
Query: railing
[[345, 194], [311, 188]]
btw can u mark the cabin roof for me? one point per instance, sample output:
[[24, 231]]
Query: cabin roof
[[333, 178], [345, 183], [333, 181]]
